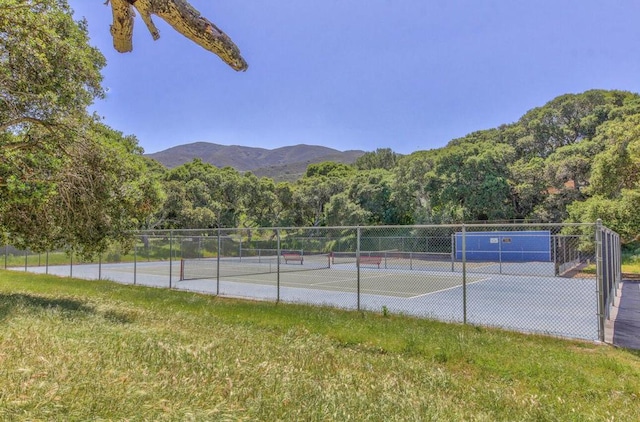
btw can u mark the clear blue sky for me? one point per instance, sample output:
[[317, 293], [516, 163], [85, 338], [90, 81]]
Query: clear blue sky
[[362, 74]]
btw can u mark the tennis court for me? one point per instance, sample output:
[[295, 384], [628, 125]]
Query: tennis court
[[524, 277], [559, 306], [372, 281]]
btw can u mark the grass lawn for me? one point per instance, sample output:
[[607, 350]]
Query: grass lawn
[[94, 350]]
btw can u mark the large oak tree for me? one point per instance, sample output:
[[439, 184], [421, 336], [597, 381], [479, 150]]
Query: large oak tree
[[65, 179]]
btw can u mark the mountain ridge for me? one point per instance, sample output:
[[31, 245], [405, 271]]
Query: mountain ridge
[[282, 163]]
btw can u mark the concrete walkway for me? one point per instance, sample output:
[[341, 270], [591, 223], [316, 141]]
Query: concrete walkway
[[625, 318]]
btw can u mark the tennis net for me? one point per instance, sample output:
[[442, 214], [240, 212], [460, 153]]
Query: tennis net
[[212, 268], [395, 259]]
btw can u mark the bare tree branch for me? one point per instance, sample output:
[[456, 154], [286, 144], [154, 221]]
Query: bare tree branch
[[182, 17], [122, 27]]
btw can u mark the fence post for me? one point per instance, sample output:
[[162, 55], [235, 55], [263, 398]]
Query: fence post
[[464, 274], [500, 237], [618, 262], [170, 257], [600, 280], [608, 266], [612, 264], [278, 253], [135, 263], [453, 251], [358, 266], [218, 262]]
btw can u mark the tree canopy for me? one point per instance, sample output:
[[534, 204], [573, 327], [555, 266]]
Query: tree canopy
[[66, 180], [573, 159]]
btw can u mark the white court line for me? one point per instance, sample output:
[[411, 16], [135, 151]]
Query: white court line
[[394, 293], [340, 280], [368, 276], [387, 292], [448, 288], [352, 279]]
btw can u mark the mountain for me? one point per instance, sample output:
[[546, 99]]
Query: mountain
[[285, 163]]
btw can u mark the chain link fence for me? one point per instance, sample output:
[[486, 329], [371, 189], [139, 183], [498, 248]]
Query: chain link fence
[[557, 279]]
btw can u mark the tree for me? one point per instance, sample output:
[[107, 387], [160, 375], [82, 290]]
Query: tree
[[413, 185], [618, 166], [329, 169], [261, 208], [615, 179], [311, 195], [474, 178], [98, 193], [382, 158], [286, 212], [567, 176], [528, 185], [48, 76], [196, 197], [372, 190], [342, 211], [65, 179], [571, 164], [231, 199], [182, 17], [48, 72], [620, 214], [565, 120]]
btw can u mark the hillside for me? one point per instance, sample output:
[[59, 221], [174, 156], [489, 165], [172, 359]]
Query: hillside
[[293, 171], [281, 163]]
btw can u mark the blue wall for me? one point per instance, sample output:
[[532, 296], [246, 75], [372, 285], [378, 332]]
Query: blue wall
[[514, 246]]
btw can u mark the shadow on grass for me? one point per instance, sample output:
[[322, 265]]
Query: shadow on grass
[[70, 308], [633, 352]]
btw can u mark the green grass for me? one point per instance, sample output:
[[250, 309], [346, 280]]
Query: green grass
[[62, 258], [630, 265], [631, 259], [32, 260], [114, 254], [631, 268], [88, 350]]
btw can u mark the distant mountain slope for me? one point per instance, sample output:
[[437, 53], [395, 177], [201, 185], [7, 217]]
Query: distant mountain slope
[[290, 161], [293, 171]]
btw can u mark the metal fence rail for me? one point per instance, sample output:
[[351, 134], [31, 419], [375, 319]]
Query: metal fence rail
[[557, 279]]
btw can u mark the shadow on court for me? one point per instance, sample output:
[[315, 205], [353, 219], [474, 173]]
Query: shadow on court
[[627, 324]]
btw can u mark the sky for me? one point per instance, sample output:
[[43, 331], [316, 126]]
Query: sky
[[408, 75]]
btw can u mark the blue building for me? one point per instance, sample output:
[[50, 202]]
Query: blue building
[[506, 246]]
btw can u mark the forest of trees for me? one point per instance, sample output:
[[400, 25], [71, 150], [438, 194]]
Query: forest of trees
[[577, 158], [67, 179]]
